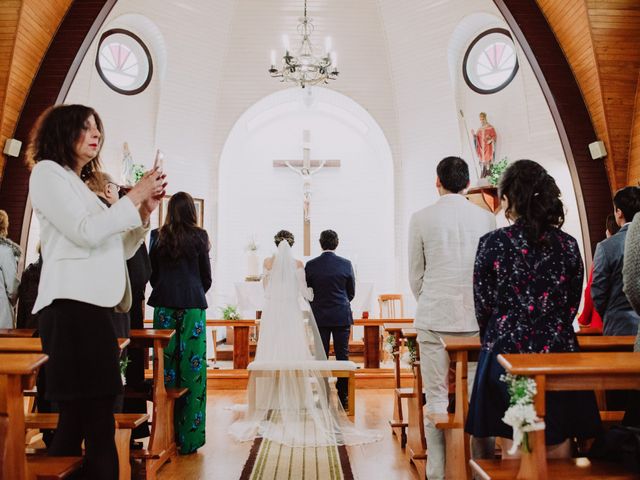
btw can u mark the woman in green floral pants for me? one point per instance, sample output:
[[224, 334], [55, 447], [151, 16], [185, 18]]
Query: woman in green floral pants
[[180, 277]]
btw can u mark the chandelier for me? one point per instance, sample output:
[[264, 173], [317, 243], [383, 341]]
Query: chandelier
[[305, 68]]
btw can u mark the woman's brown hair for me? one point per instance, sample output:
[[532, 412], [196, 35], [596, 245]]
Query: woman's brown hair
[[180, 235], [56, 133]]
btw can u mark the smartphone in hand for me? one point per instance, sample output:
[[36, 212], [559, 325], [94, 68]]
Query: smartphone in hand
[[159, 161]]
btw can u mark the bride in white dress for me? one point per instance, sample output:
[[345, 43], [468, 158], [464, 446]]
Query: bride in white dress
[[289, 398]]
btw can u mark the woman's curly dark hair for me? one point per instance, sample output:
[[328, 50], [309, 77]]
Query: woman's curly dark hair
[[284, 235], [533, 198], [180, 235], [55, 134]]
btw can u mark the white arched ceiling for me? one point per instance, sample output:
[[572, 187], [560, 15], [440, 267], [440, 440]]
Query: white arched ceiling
[[256, 200]]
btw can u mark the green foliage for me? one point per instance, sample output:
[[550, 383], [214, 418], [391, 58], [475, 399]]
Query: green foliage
[[497, 169], [137, 172], [230, 312]]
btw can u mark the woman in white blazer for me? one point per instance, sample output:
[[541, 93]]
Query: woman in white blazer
[[85, 246]]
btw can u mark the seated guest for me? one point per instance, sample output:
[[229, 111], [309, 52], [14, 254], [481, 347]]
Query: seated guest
[[618, 316], [9, 256], [527, 286], [84, 249], [589, 316], [27, 293], [180, 277]]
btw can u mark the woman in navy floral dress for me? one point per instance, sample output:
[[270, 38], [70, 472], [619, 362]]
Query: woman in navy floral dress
[[527, 288]]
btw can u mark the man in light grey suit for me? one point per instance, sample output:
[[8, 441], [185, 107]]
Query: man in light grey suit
[[443, 239]]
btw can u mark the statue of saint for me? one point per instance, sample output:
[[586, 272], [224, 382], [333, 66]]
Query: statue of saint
[[127, 174], [484, 141]]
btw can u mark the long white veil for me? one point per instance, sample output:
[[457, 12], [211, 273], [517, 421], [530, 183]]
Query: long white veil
[[289, 397]]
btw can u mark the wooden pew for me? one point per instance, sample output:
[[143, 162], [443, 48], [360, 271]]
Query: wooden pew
[[241, 330], [416, 442], [17, 332], [125, 422], [372, 337], [466, 349], [17, 372], [398, 422], [162, 443], [563, 372], [327, 368], [34, 344]]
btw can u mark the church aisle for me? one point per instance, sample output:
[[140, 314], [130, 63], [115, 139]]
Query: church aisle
[[223, 458]]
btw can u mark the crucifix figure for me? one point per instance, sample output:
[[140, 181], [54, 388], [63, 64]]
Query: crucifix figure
[[306, 168]]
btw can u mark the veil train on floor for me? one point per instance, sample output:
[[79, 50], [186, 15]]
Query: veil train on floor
[[289, 396]]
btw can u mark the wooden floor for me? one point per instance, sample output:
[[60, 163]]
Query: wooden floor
[[222, 458]]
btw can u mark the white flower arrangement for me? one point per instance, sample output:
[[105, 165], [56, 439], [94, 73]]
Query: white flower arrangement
[[521, 414], [410, 356], [390, 345]]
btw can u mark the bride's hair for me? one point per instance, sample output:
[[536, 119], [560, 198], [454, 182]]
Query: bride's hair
[[284, 235]]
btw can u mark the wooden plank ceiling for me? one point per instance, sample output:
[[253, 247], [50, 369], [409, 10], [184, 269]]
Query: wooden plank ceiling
[[26, 30], [601, 40]]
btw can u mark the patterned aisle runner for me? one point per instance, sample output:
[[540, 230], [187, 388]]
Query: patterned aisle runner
[[273, 461]]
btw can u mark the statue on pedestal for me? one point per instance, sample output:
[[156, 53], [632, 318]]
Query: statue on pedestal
[[484, 141]]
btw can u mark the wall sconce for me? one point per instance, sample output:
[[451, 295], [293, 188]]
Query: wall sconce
[[12, 147], [597, 150]]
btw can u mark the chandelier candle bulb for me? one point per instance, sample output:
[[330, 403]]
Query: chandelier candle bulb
[[285, 42], [334, 61], [327, 45], [273, 58]]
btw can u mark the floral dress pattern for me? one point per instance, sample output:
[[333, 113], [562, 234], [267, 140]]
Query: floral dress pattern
[[526, 296], [185, 365]]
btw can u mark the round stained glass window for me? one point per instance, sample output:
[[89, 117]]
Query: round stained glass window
[[490, 62], [124, 62]]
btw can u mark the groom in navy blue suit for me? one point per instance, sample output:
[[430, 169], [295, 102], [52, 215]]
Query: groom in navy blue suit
[[333, 282]]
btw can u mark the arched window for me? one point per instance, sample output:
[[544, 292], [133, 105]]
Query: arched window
[[490, 62], [124, 62]]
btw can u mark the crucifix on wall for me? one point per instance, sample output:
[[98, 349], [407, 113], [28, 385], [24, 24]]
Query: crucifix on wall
[[306, 168]]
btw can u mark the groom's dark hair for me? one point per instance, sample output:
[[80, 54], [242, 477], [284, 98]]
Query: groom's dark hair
[[329, 240], [453, 173]]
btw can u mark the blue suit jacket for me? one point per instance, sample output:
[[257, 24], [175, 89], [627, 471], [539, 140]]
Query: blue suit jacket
[[333, 282]]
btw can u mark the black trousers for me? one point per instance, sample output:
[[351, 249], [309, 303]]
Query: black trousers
[[341, 348], [91, 420]]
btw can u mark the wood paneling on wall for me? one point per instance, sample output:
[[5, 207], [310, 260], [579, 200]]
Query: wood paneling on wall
[[569, 111], [601, 40], [633, 175], [58, 61], [26, 30]]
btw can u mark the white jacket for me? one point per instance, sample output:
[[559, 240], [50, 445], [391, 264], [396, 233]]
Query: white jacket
[[85, 245], [443, 239], [9, 256]]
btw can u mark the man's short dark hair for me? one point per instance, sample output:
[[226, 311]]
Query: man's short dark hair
[[627, 199], [453, 173], [329, 240]]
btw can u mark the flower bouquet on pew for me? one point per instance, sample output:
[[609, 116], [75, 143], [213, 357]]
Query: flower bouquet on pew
[[521, 414]]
